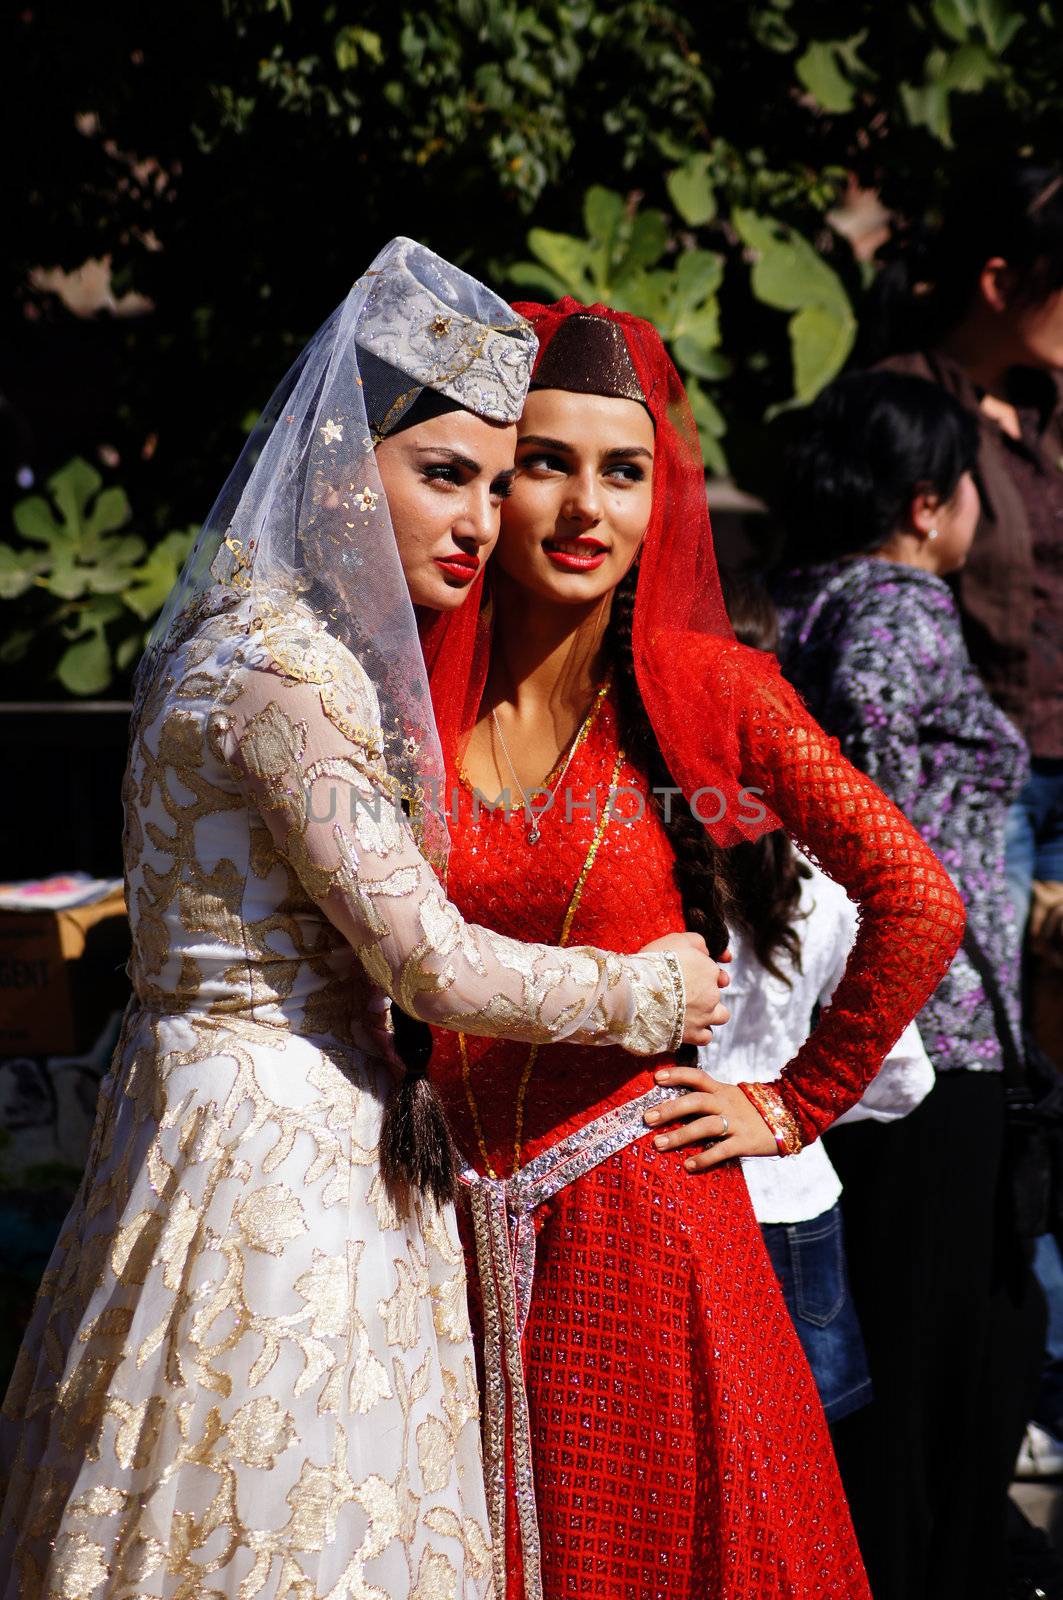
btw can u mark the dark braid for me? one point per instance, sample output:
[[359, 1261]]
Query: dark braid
[[766, 878], [699, 864], [765, 874]]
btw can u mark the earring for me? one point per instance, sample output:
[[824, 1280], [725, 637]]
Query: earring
[[932, 533]]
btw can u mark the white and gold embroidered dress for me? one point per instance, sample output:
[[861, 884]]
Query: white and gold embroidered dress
[[248, 1373]]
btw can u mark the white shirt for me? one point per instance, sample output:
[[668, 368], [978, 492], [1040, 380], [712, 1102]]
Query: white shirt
[[770, 1021]]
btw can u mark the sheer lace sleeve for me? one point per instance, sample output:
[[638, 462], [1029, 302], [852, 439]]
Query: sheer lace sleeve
[[911, 917], [299, 731]]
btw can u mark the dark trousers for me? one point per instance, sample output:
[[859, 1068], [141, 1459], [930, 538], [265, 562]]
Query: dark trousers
[[953, 1322]]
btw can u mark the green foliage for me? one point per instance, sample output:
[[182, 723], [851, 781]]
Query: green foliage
[[619, 263], [788, 275], [108, 584], [240, 163]]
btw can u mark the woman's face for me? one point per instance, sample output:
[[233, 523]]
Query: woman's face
[[580, 502], [445, 481], [1037, 331], [956, 522]]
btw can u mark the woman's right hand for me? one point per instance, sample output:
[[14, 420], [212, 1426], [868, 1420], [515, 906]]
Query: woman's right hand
[[702, 981]]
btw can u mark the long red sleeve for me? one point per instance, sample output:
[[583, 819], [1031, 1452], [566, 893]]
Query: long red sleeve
[[911, 916]]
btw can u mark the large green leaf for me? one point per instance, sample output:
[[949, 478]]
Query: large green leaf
[[154, 579], [111, 511], [969, 69], [35, 520], [603, 218], [85, 668], [646, 243], [999, 23], [691, 192], [567, 257], [818, 71], [957, 18], [711, 427], [18, 570], [72, 488], [787, 272], [531, 275], [821, 338]]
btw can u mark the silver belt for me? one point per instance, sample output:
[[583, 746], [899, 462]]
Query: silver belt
[[505, 1253]]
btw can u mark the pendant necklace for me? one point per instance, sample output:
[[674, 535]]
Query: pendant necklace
[[566, 929], [535, 833]]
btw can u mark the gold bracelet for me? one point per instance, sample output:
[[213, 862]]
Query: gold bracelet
[[777, 1114]]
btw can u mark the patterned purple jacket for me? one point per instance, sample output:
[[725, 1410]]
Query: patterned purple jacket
[[877, 651]]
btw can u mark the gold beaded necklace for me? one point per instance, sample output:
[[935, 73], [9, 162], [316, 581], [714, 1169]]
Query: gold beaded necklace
[[566, 928]]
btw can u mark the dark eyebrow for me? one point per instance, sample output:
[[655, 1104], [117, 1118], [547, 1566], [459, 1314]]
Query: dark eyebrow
[[544, 443], [559, 444], [455, 457], [629, 450]]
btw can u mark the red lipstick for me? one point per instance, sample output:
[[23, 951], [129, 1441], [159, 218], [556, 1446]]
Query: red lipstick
[[459, 566], [576, 555]]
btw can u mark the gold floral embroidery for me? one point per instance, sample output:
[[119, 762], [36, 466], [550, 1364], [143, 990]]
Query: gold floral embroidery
[[235, 1297]]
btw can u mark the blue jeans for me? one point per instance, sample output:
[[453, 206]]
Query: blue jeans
[[1048, 1265], [809, 1262], [1034, 840], [1034, 836]]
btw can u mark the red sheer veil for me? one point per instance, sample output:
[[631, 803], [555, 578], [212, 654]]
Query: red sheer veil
[[681, 635]]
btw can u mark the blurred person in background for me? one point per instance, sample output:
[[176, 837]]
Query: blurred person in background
[[879, 506], [977, 307]]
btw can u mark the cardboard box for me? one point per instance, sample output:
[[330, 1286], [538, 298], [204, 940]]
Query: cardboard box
[[61, 974]]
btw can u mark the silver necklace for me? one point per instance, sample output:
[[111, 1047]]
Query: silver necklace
[[534, 832]]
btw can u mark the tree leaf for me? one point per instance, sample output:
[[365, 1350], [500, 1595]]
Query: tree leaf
[[821, 339], [72, 488], [954, 17], [110, 512], [117, 565], [16, 572], [691, 192], [566, 256], [152, 581], [692, 357], [969, 69], [35, 520], [818, 71], [998, 24], [540, 280], [127, 652], [85, 668], [646, 243], [603, 218], [697, 275], [603, 212], [788, 273], [927, 106]]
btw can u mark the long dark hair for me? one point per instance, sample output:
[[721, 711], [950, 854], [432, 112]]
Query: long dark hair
[[1012, 209], [765, 874], [853, 461], [700, 866]]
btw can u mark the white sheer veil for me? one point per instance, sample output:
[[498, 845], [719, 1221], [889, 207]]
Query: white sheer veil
[[302, 517]]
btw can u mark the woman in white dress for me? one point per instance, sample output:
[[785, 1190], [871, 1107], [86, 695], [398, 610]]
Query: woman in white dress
[[248, 1374]]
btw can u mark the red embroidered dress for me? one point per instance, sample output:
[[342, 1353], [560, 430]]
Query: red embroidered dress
[[678, 1444]]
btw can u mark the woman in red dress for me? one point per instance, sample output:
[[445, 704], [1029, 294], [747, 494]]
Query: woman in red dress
[[651, 1428]]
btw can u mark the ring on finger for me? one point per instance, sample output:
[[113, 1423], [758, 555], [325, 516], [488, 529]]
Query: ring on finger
[[725, 1130]]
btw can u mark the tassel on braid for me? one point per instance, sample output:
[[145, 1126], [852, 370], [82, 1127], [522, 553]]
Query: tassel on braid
[[699, 870]]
